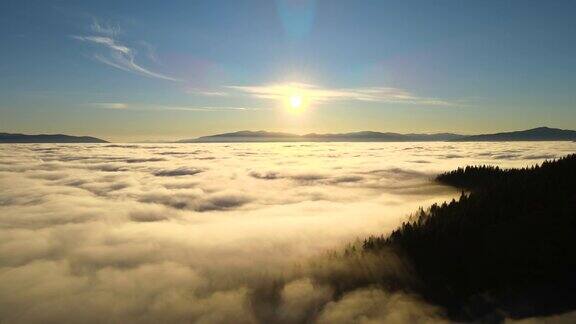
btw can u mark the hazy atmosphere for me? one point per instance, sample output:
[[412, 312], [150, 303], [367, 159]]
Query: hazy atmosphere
[[146, 70]]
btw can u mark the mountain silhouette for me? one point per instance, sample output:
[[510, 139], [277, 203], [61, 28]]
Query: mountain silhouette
[[535, 134], [47, 138], [364, 136]]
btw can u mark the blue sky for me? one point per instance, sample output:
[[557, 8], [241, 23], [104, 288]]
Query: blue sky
[[136, 70]]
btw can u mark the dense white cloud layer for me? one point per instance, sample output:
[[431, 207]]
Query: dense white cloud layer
[[214, 233]]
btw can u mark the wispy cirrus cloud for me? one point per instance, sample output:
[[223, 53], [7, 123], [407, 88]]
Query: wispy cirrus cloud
[[208, 93], [127, 106], [105, 41], [105, 28], [110, 105], [114, 53], [321, 94], [207, 109]]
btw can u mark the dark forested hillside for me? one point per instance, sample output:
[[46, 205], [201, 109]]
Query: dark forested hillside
[[506, 247]]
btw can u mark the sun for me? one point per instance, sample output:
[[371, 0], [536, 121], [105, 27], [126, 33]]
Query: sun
[[295, 102]]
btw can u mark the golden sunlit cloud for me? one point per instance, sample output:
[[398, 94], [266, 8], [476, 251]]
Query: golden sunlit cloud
[[313, 94], [294, 93]]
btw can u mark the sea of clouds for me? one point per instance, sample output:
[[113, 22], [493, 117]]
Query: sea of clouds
[[216, 233]]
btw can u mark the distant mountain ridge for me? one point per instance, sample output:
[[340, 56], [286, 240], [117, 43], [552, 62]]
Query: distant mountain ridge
[[253, 134], [47, 138], [535, 134], [365, 136], [378, 136]]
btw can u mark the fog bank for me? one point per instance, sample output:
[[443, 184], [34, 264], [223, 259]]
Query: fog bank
[[217, 233]]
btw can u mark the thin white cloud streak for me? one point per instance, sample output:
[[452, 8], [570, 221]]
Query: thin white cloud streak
[[208, 93], [119, 55], [127, 106], [207, 109], [110, 105], [106, 41], [322, 95]]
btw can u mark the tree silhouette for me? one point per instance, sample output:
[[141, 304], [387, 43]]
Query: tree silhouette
[[508, 244]]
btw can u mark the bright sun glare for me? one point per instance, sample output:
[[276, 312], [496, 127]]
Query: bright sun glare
[[295, 102]]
